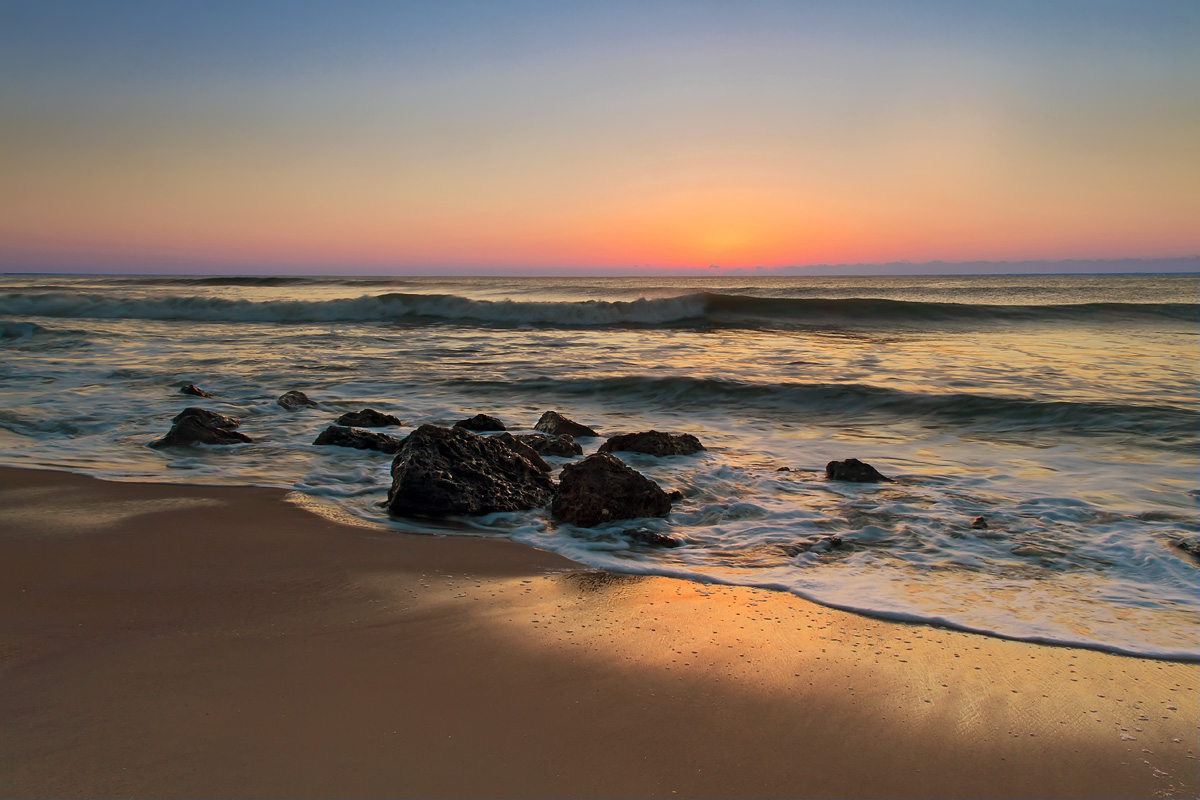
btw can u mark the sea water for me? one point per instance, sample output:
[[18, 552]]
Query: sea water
[[1063, 410]]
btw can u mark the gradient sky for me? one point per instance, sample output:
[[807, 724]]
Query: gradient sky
[[418, 137]]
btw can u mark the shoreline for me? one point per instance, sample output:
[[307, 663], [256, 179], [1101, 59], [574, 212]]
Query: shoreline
[[172, 640]]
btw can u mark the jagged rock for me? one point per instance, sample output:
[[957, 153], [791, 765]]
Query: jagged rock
[[439, 471], [201, 426], [210, 418], [556, 424], [524, 449], [979, 523], [655, 443], [601, 488], [357, 438], [653, 538], [193, 390], [295, 399], [674, 496], [481, 422], [368, 418], [547, 445], [853, 470]]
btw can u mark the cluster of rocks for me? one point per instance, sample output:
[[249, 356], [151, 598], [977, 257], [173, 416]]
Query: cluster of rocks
[[438, 471]]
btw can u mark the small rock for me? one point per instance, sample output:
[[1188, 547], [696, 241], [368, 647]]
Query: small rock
[[655, 443], [556, 424], [546, 445], [820, 544], [516, 444], [979, 524], [201, 426], [481, 422], [193, 390], [369, 418], [854, 471], [602, 488], [784, 469], [357, 438], [1190, 546], [295, 399], [674, 495], [653, 538]]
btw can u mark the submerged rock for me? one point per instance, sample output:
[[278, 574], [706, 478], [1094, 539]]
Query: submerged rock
[[295, 399], [516, 444], [547, 445], [979, 523], [439, 471], [556, 424], [369, 418], [602, 488], [853, 470], [201, 426], [821, 544], [481, 422], [655, 443], [193, 390], [357, 438], [653, 538], [1189, 546]]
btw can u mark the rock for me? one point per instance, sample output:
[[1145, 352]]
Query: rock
[[655, 443], [674, 495], [193, 390], [357, 438], [295, 399], [516, 444], [210, 418], [784, 469], [556, 424], [481, 422], [601, 488], [368, 418], [1189, 546], [821, 544], [979, 524], [547, 445], [201, 426], [653, 538], [439, 471], [853, 470]]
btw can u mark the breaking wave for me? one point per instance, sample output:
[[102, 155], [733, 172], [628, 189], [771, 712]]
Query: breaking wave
[[698, 309]]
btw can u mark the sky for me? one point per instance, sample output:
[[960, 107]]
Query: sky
[[427, 138]]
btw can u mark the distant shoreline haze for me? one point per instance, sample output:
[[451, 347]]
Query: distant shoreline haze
[[169, 266]]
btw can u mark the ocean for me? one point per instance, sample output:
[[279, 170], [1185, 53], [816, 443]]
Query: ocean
[[1062, 409]]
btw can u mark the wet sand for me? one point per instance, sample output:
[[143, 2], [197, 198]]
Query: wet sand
[[160, 640]]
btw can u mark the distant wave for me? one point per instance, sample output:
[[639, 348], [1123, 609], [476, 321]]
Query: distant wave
[[698, 309], [962, 410]]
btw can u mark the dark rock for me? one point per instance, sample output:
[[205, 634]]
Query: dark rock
[[1190, 546], [547, 445], [210, 418], [853, 470], [820, 544], [784, 469], [295, 399], [674, 495], [601, 488], [655, 443], [524, 449], [439, 471], [193, 390], [481, 422], [556, 424], [358, 438], [201, 426], [979, 524], [653, 538], [369, 418]]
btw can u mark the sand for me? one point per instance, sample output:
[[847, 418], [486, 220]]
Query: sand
[[160, 640]]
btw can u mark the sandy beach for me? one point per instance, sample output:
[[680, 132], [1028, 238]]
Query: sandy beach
[[166, 640]]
